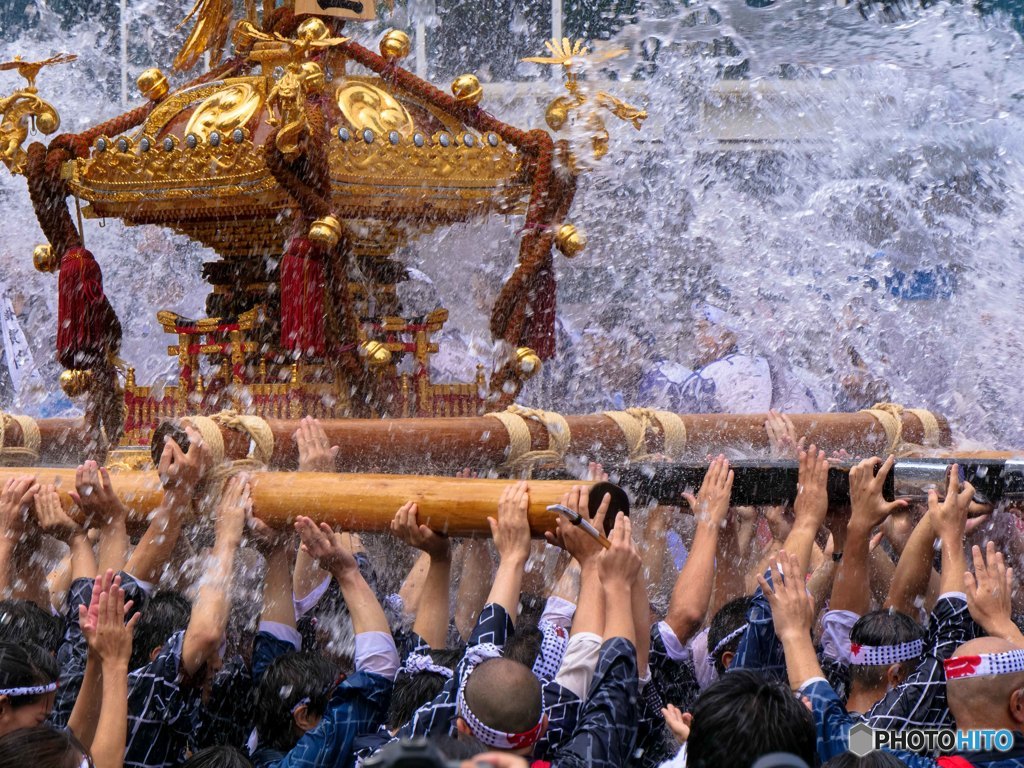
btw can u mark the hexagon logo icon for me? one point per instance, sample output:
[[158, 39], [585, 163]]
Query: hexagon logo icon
[[862, 740]]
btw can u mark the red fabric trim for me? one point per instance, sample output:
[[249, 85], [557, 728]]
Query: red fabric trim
[[954, 761]]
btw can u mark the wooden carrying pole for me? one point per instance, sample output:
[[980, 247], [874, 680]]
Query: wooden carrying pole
[[448, 444], [459, 507]]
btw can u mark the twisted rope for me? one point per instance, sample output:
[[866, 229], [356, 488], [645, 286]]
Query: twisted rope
[[930, 424], [261, 445], [521, 457], [636, 423], [890, 416], [28, 452]]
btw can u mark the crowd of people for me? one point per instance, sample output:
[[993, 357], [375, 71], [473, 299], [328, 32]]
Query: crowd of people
[[785, 630]]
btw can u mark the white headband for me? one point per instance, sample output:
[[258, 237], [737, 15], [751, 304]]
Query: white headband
[[29, 690], [725, 641], [1006, 663], [884, 655], [484, 733]]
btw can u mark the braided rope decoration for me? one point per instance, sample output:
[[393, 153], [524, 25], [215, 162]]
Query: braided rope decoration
[[890, 416], [28, 452], [520, 457], [259, 432], [930, 424]]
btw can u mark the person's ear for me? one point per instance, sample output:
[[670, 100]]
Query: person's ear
[[155, 652], [895, 674], [5, 706], [462, 727], [1017, 705], [543, 728], [727, 657], [304, 720]]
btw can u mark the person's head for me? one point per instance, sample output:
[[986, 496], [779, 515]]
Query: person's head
[[501, 704], [885, 647], [46, 747], [726, 631], [418, 682], [986, 692], [743, 716], [292, 698], [870, 760], [23, 620], [26, 691], [165, 614], [217, 757], [713, 338]]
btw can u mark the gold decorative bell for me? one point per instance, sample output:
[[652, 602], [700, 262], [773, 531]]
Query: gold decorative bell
[[570, 241], [44, 259], [312, 30], [376, 354], [395, 45], [75, 381], [153, 84], [313, 79], [529, 363], [325, 232], [467, 90]]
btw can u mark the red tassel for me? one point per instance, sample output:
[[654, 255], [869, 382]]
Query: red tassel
[[541, 296], [303, 280], [86, 325]]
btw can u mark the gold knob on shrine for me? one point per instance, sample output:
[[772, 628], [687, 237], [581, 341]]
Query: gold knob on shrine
[[467, 90], [529, 363], [570, 240], [375, 353], [153, 84], [75, 381], [395, 45], [325, 232], [44, 259]]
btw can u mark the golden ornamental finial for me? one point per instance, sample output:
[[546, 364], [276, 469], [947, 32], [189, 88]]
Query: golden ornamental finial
[[30, 69], [24, 109]]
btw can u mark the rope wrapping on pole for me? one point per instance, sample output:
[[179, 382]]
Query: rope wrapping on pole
[[522, 458]]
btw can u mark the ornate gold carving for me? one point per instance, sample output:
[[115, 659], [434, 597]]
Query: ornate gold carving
[[24, 109], [229, 108], [569, 55], [286, 104], [365, 105]]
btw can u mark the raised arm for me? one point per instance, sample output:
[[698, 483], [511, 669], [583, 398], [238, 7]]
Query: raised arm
[[15, 503], [209, 618], [914, 568], [793, 613], [990, 595], [619, 567], [810, 507], [950, 519], [316, 454], [511, 533], [691, 594], [180, 473], [94, 495], [852, 588], [432, 609], [53, 520]]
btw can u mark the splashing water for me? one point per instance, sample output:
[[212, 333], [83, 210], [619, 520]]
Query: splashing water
[[859, 188]]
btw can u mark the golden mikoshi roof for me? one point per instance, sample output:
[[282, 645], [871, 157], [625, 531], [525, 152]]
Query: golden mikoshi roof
[[398, 167]]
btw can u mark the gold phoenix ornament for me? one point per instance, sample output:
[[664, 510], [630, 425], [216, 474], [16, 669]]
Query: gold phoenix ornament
[[24, 110]]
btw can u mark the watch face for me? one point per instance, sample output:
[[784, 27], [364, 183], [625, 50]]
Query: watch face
[[362, 10]]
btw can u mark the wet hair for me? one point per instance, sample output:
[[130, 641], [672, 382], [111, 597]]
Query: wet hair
[[44, 745], [217, 757], [288, 680], [883, 627], [165, 614], [413, 691], [524, 646], [504, 695], [870, 760], [18, 670], [22, 620], [742, 716], [729, 618]]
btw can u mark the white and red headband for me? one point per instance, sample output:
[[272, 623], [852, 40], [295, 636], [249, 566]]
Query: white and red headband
[[552, 650], [1006, 663], [492, 737], [884, 655]]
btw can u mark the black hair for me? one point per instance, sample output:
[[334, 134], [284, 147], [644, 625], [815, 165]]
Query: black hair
[[505, 695], [742, 716], [412, 691], [44, 746], [165, 614], [17, 670], [885, 627], [871, 760], [727, 620], [22, 620], [524, 646], [288, 680], [217, 757]]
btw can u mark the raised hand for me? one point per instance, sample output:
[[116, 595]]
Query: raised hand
[[94, 495], [325, 546], [596, 473], [711, 504], [950, 515], [811, 503], [112, 639], [316, 454], [990, 593], [406, 527], [868, 506], [15, 505], [573, 538], [511, 531], [180, 472], [619, 565], [792, 606], [782, 441], [234, 508], [678, 722], [53, 520]]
